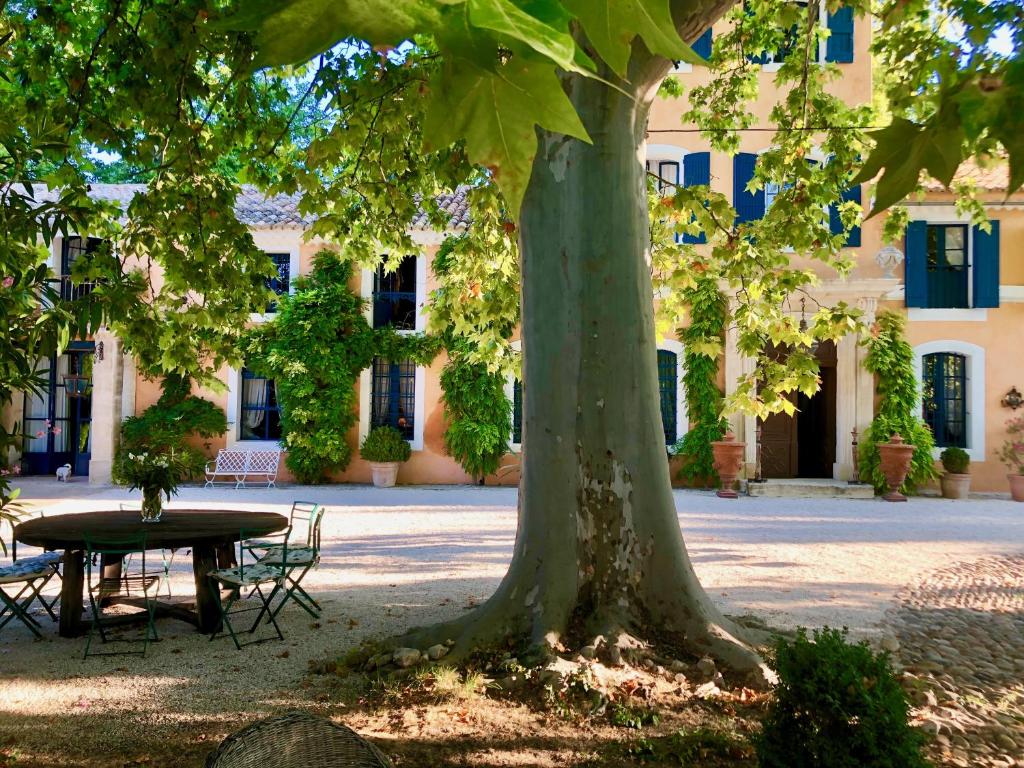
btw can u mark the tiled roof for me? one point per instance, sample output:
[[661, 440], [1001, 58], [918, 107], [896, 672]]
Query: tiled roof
[[256, 210], [994, 178]]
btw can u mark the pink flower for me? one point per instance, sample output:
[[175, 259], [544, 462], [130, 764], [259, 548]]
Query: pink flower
[[16, 469], [4, 472], [56, 430], [8, 282], [40, 433]]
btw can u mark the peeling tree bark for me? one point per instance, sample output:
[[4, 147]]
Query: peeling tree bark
[[598, 545]]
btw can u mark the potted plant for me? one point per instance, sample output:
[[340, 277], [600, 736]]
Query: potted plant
[[728, 455], [956, 483], [894, 458], [155, 471], [385, 449], [1012, 454]]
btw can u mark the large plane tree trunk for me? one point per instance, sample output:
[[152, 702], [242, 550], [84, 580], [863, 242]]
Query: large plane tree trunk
[[599, 550]]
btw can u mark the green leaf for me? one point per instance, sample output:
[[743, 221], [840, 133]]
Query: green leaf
[[611, 26], [504, 17], [497, 112], [293, 31]]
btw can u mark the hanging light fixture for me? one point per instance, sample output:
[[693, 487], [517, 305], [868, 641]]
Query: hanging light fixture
[[803, 323]]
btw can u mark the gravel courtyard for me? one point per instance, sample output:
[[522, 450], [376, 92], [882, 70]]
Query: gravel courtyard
[[397, 558]]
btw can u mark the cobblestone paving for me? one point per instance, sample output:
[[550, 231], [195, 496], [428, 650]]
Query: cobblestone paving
[[959, 634]]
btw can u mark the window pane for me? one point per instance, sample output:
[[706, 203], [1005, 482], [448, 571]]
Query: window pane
[[279, 282], [393, 395], [394, 296], [667, 386], [947, 266], [944, 398], [517, 411], [261, 413]]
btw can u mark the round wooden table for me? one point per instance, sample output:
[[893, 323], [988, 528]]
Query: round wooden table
[[209, 533]]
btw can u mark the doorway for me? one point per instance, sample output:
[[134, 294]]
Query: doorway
[[804, 444], [58, 419]]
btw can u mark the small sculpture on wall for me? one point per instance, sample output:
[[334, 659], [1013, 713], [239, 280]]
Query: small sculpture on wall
[[1013, 399], [888, 259]]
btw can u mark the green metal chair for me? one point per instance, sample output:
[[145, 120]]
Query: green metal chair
[[101, 550], [256, 575], [33, 574], [301, 557]]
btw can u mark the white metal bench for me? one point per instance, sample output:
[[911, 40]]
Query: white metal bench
[[238, 466]]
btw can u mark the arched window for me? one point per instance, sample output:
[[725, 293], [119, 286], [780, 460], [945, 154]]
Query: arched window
[[944, 397]]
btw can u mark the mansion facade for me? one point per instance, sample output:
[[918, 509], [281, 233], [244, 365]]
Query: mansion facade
[[960, 287]]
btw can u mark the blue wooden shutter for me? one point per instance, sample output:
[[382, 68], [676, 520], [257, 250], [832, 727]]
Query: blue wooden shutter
[[839, 47], [696, 171], [915, 267], [702, 45], [836, 225], [986, 266], [749, 205]]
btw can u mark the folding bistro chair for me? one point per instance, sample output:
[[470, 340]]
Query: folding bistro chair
[[256, 575], [33, 573], [301, 556], [98, 550]]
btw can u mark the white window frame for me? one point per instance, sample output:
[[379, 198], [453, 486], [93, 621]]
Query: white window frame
[[366, 376], [234, 413], [510, 382], [946, 215], [974, 360], [773, 66], [279, 241], [682, 417]]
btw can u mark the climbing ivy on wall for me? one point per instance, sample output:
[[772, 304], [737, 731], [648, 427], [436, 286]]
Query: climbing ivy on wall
[[702, 341], [891, 359], [315, 348]]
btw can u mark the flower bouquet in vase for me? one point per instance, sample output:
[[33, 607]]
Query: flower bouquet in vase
[[157, 472]]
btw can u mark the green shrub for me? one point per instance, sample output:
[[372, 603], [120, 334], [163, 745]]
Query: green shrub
[[166, 426], [891, 359], [385, 444], [479, 415], [837, 705], [955, 460]]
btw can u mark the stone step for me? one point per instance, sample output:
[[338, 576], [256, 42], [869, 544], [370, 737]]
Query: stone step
[[810, 488]]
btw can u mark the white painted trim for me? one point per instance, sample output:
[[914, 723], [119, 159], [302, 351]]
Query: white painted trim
[[919, 315], [682, 416], [1012, 294], [975, 361], [510, 394], [666, 153], [366, 376], [233, 412]]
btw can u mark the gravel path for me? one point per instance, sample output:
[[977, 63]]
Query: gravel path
[[408, 556], [961, 638]]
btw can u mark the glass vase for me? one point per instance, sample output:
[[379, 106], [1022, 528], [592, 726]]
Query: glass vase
[[152, 505]]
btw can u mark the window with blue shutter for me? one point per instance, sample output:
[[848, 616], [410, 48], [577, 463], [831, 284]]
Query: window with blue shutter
[[986, 266], [836, 225], [839, 46], [517, 412], [394, 296], [281, 278], [393, 395], [915, 265], [702, 45], [749, 205], [696, 172], [667, 383], [261, 413], [944, 397]]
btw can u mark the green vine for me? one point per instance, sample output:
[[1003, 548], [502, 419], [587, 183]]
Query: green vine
[[315, 348], [891, 359], [702, 341]]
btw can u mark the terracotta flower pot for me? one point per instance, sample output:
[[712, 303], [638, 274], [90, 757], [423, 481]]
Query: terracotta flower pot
[[385, 473], [955, 486], [728, 461], [895, 460], [1016, 487]]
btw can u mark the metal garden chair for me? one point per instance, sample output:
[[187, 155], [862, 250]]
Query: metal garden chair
[[102, 588], [33, 574], [301, 557], [166, 555], [296, 740], [256, 575]]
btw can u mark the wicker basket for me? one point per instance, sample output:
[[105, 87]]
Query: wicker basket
[[296, 740]]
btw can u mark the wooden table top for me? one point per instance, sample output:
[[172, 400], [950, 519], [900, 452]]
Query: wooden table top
[[177, 528]]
